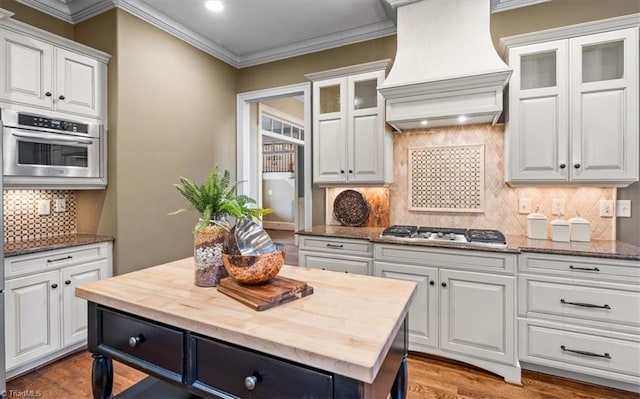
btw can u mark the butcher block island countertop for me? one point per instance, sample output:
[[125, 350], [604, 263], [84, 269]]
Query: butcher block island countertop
[[347, 326]]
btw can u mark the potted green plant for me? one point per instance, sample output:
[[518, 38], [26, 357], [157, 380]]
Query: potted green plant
[[214, 200]]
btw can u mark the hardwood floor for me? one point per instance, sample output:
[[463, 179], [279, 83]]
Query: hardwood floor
[[429, 378]]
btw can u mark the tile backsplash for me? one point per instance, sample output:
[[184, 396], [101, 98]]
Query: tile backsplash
[[21, 219], [501, 200]]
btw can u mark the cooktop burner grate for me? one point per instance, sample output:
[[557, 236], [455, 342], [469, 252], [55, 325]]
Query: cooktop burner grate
[[400, 231], [489, 236]]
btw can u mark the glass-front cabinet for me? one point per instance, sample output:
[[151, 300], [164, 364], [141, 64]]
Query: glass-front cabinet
[[351, 143], [573, 110]]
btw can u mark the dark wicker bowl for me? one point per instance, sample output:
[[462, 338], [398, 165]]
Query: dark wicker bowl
[[254, 269]]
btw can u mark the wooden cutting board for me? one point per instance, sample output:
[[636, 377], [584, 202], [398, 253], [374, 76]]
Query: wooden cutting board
[[275, 292]]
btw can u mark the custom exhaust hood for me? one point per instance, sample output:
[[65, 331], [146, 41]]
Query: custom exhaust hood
[[446, 71]]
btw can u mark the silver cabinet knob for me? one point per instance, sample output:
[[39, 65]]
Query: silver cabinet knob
[[251, 382], [134, 341]]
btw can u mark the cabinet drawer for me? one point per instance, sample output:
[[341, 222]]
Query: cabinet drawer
[[54, 259], [337, 246], [226, 367], [336, 263], [588, 351], [451, 258], [158, 345], [580, 266], [584, 299]]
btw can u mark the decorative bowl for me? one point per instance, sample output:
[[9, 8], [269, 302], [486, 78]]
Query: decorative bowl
[[254, 269]]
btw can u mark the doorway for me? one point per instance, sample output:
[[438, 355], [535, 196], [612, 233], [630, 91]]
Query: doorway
[[250, 146]]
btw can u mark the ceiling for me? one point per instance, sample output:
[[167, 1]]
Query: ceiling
[[251, 32], [247, 32]]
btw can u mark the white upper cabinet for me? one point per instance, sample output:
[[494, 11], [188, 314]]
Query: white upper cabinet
[[573, 111], [351, 142], [41, 74]]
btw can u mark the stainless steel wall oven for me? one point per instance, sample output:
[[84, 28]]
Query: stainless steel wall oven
[[39, 145]]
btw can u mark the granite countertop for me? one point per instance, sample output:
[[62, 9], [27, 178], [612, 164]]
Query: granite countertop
[[515, 244], [23, 247]]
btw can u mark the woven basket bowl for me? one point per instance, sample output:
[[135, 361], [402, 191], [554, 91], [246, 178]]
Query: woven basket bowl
[[254, 269]]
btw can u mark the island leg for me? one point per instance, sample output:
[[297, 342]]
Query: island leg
[[102, 377], [399, 388]]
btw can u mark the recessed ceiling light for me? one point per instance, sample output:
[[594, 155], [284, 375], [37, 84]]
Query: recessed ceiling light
[[462, 119], [214, 5], [424, 122]]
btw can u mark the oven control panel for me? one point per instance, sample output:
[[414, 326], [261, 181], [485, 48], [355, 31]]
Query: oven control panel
[[50, 123]]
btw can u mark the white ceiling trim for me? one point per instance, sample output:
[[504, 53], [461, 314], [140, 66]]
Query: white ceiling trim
[[169, 25], [350, 36], [77, 11]]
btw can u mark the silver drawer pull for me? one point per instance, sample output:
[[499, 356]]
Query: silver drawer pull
[[585, 305], [586, 269], [585, 353], [59, 259], [252, 381], [135, 341], [335, 246]]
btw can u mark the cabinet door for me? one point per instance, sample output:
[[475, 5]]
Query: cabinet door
[[423, 311], [538, 131], [329, 131], [605, 106], [477, 315], [77, 84], [26, 69], [74, 309], [32, 321], [365, 128]]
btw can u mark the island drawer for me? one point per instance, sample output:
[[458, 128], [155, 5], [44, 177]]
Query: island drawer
[[227, 368], [585, 350], [580, 266], [336, 246], [548, 296], [136, 340]]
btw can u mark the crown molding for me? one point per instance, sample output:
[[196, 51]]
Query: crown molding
[[566, 32], [506, 5], [350, 36], [171, 26], [5, 13], [74, 11]]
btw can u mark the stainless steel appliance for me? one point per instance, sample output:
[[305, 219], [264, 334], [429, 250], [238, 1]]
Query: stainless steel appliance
[[476, 237], [40, 145]]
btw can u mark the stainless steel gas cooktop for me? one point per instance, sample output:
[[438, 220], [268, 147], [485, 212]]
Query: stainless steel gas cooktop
[[479, 237]]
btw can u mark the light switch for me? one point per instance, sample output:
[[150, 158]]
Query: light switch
[[606, 208], [61, 205], [44, 207], [623, 208], [524, 205]]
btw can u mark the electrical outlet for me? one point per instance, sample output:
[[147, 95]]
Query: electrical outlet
[[524, 205], [557, 206], [61, 205], [44, 207], [623, 208], [606, 208]]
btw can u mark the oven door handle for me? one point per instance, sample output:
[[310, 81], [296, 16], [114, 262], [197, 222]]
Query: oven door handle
[[52, 138]]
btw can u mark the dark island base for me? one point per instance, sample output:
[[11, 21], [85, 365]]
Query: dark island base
[[195, 366]]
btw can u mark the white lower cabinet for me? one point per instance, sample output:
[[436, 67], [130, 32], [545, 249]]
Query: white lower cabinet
[[581, 315], [43, 317], [336, 254], [464, 305]]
